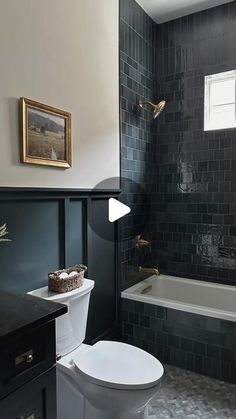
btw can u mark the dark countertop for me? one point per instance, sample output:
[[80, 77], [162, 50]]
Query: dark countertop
[[21, 313]]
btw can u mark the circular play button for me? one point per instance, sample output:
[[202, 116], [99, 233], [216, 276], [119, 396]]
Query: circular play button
[[117, 210], [126, 206]]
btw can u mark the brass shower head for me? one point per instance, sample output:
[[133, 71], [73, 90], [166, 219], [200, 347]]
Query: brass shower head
[[157, 108]]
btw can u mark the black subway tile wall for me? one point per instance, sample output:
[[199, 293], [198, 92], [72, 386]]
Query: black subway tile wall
[[186, 199], [196, 209], [198, 343], [138, 141]]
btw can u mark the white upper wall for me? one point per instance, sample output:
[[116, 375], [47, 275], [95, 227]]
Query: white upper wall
[[165, 10], [63, 53]]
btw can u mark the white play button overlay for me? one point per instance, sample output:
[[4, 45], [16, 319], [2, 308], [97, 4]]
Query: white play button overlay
[[117, 210]]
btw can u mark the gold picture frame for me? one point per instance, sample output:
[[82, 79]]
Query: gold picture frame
[[45, 134]]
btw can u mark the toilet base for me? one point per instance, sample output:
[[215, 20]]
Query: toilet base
[[92, 413], [72, 404]]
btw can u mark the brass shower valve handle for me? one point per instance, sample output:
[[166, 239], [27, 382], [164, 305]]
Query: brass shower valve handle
[[140, 243]]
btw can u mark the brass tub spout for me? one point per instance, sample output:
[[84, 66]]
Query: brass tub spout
[[153, 271]]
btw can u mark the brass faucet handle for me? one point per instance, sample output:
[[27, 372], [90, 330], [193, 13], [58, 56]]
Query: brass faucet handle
[[139, 242]]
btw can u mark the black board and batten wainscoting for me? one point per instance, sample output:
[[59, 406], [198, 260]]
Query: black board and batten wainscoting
[[52, 228]]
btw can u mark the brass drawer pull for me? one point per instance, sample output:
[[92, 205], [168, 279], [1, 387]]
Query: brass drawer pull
[[29, 417], [29, 358], [26, 357]]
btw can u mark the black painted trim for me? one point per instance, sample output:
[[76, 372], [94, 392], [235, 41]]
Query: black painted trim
[[62, 233], [36, 193]]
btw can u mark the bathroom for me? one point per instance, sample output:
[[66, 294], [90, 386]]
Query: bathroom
[[143, 195]]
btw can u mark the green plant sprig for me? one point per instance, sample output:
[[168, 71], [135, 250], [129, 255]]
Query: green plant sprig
[[4, 233]]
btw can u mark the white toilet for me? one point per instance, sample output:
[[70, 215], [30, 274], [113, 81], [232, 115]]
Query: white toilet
[[109, 380]]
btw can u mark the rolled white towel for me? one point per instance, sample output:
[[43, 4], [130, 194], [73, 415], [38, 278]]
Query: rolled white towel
[[73, 273], [63, 275]]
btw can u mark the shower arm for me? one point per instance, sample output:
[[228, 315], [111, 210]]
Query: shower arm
[[146, 103]]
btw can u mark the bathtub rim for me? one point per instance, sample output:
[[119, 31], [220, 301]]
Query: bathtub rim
[[130, 294]]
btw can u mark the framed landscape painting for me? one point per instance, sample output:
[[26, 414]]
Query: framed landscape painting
[[45, 134]]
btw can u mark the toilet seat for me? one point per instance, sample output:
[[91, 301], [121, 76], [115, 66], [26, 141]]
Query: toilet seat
[[119, 366]]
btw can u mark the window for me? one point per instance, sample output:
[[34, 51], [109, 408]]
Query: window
[[220, 99]]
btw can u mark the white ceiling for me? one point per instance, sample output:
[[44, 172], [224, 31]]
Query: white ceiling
[[165, 10]]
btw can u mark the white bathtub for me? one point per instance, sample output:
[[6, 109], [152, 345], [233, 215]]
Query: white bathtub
[[205, 298]]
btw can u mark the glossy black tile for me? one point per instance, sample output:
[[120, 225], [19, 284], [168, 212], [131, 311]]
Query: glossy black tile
[[189, 175], [203, 171], [138, 43], [199, 343]]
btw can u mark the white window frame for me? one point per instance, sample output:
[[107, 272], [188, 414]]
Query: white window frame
[[209, 80]]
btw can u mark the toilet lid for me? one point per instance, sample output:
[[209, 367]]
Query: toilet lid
[[119, 365]]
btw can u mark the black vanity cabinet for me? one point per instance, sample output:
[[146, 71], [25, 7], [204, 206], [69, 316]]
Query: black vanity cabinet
[[34, 400], [27, 357]]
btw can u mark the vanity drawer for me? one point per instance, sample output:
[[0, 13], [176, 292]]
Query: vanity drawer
[[35, 400], [24, 358]]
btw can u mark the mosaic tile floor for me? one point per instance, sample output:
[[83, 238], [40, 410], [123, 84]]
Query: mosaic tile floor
[[184, 394]]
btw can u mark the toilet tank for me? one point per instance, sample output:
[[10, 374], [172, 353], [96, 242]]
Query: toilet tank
[[71, 327]]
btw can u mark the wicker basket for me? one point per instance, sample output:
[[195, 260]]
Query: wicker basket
[[69, 283]]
